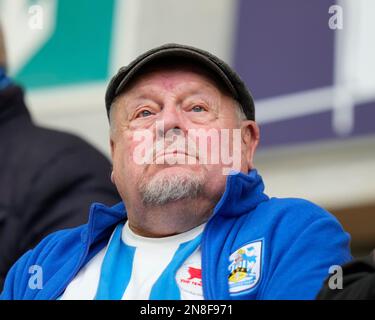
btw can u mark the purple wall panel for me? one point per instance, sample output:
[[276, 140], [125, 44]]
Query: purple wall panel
[[284, 47]]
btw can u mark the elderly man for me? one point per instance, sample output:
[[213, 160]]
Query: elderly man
[[194, 223]]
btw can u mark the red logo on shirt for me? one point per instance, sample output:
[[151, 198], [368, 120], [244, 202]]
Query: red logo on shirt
[[189, 280], [194, 273], [194, 277]]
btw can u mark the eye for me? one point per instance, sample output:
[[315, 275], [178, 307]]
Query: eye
[[197, 108], [144, 113]]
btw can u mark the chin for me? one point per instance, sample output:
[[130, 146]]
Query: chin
[[170, 184]]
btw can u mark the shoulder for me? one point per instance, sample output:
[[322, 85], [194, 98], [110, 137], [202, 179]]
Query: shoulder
[[56, 244], [58, 141], [53, 253], [294, 220], [300, 211]]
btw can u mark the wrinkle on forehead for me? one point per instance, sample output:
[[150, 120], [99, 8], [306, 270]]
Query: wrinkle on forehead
[[158, 83]]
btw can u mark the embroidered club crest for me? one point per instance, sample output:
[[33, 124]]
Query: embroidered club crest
[[245, 267]]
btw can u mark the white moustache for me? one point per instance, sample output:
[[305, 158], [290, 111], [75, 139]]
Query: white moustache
[[179, 146]]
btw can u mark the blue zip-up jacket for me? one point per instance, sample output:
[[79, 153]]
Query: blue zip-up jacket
[[298, 243]]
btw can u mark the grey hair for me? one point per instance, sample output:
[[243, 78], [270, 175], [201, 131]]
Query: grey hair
[[111, 118], [239, 111], [162, 190]]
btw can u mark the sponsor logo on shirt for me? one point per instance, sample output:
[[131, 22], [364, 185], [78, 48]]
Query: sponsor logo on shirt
[[189, 279]]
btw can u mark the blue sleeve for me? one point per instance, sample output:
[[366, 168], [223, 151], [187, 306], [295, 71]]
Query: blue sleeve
[[312, 245], [16, 285]]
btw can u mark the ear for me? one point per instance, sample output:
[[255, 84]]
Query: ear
[[113, 177], [250, 140]]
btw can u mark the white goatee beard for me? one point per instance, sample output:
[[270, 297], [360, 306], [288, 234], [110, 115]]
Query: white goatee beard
[[162, 189]]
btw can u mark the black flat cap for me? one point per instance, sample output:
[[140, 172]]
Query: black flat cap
[[219, 68]]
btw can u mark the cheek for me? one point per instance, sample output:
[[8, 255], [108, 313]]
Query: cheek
[[122, 160], [215, 180], [137, 152], [126, 172]]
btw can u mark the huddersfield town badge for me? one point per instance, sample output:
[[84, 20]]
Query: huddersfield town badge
[[245, 267]]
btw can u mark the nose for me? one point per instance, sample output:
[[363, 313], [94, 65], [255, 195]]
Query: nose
[[172, 119]]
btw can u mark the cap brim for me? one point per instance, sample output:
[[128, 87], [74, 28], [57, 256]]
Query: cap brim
[[175, 53]]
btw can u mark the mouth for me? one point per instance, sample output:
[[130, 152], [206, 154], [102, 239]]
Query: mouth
[[176, 154], [173, 153]]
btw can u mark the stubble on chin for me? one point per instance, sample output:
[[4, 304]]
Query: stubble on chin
[[163, 188]]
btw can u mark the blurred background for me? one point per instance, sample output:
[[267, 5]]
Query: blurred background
[[309, 64]]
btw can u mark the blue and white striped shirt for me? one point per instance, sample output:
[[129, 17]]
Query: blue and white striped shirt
[[136, 267]]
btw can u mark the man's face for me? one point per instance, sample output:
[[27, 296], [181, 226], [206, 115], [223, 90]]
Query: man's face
[[176, 109]]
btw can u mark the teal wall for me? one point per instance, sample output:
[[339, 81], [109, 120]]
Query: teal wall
[[79, 49]]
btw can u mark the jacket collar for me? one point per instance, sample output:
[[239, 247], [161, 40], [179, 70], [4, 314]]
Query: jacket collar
[[243, 192]]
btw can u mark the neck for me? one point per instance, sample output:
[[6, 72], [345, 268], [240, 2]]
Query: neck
[[170, 219]]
